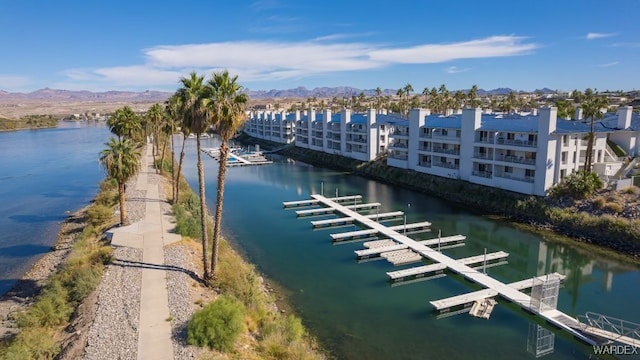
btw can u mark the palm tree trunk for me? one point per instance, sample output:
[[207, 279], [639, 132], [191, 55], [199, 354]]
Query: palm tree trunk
[[222, 169], [173, 179], [164, 150], [184, 140], [588, 160], [153, 150], [123, 210], [203, 211]]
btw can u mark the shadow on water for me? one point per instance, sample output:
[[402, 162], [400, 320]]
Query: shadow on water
[[19, 290], [30, 219], [23, 250]]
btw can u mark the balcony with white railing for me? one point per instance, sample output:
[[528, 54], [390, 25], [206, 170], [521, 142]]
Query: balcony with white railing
[[446, 165], [424, 148], [484, 156], [484, 174], [515, 159], [425, 135], [399, 144], [485, 139], [510, 176], [424, 163], [398, 155], [448, 135], [402, 132], [446, 151], [516, 142]]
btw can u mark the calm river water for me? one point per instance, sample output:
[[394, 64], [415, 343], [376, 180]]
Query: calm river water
[[44, 174], [351, 307]]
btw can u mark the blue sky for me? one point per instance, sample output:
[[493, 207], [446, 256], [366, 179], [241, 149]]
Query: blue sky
[[281, 44]]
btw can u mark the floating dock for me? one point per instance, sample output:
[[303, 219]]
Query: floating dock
[[399, 247], [239, 157]]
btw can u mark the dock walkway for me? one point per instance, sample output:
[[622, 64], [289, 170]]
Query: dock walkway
[[442, 261]]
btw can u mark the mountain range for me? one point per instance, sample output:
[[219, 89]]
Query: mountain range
[[47, 94]]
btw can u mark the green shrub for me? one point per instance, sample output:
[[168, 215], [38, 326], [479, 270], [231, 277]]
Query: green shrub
[[99, 215], [217, 325], [31, 344], [107, 198], [50, 309], [578, 185]]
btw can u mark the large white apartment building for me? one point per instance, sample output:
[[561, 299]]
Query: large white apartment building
[[526, 154], [358, 136]]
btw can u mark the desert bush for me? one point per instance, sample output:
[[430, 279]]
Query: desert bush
[[31, 344], [217, 325], [599, 202], [108, 198], [99, 215], [630, 190], [50, 309], [614, 207]]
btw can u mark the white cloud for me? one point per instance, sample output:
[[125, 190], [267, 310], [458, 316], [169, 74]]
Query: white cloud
[[494, 46], [613, 63], [256, 61], [455, 70], [10, 82], [592, 36]]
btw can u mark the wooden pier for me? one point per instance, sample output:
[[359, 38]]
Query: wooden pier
[[413, 227], [467, 268]]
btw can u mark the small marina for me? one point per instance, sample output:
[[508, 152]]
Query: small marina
[[393, 244], [239, 156]]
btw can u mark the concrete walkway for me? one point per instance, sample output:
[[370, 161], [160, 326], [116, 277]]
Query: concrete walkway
[[151, 235]]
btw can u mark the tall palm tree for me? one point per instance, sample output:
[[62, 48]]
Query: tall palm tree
[[192, 94], [172, 108], [155, 116], [378, 95], [124, 123], [121, 160], [592, 106], [472, 96], [227, 107]]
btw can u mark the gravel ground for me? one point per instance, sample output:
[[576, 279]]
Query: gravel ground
[[114, 333], [180, 306]]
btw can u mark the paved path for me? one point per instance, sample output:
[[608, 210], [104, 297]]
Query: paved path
[[151, 235]]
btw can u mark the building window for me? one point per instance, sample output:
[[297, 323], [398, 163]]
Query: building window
[[445, 132], [511, 136], [563, 157], [565, 140], [529, 173], [574, 156], [563, 174], [381, 127], [457, 133], [508, 169]]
